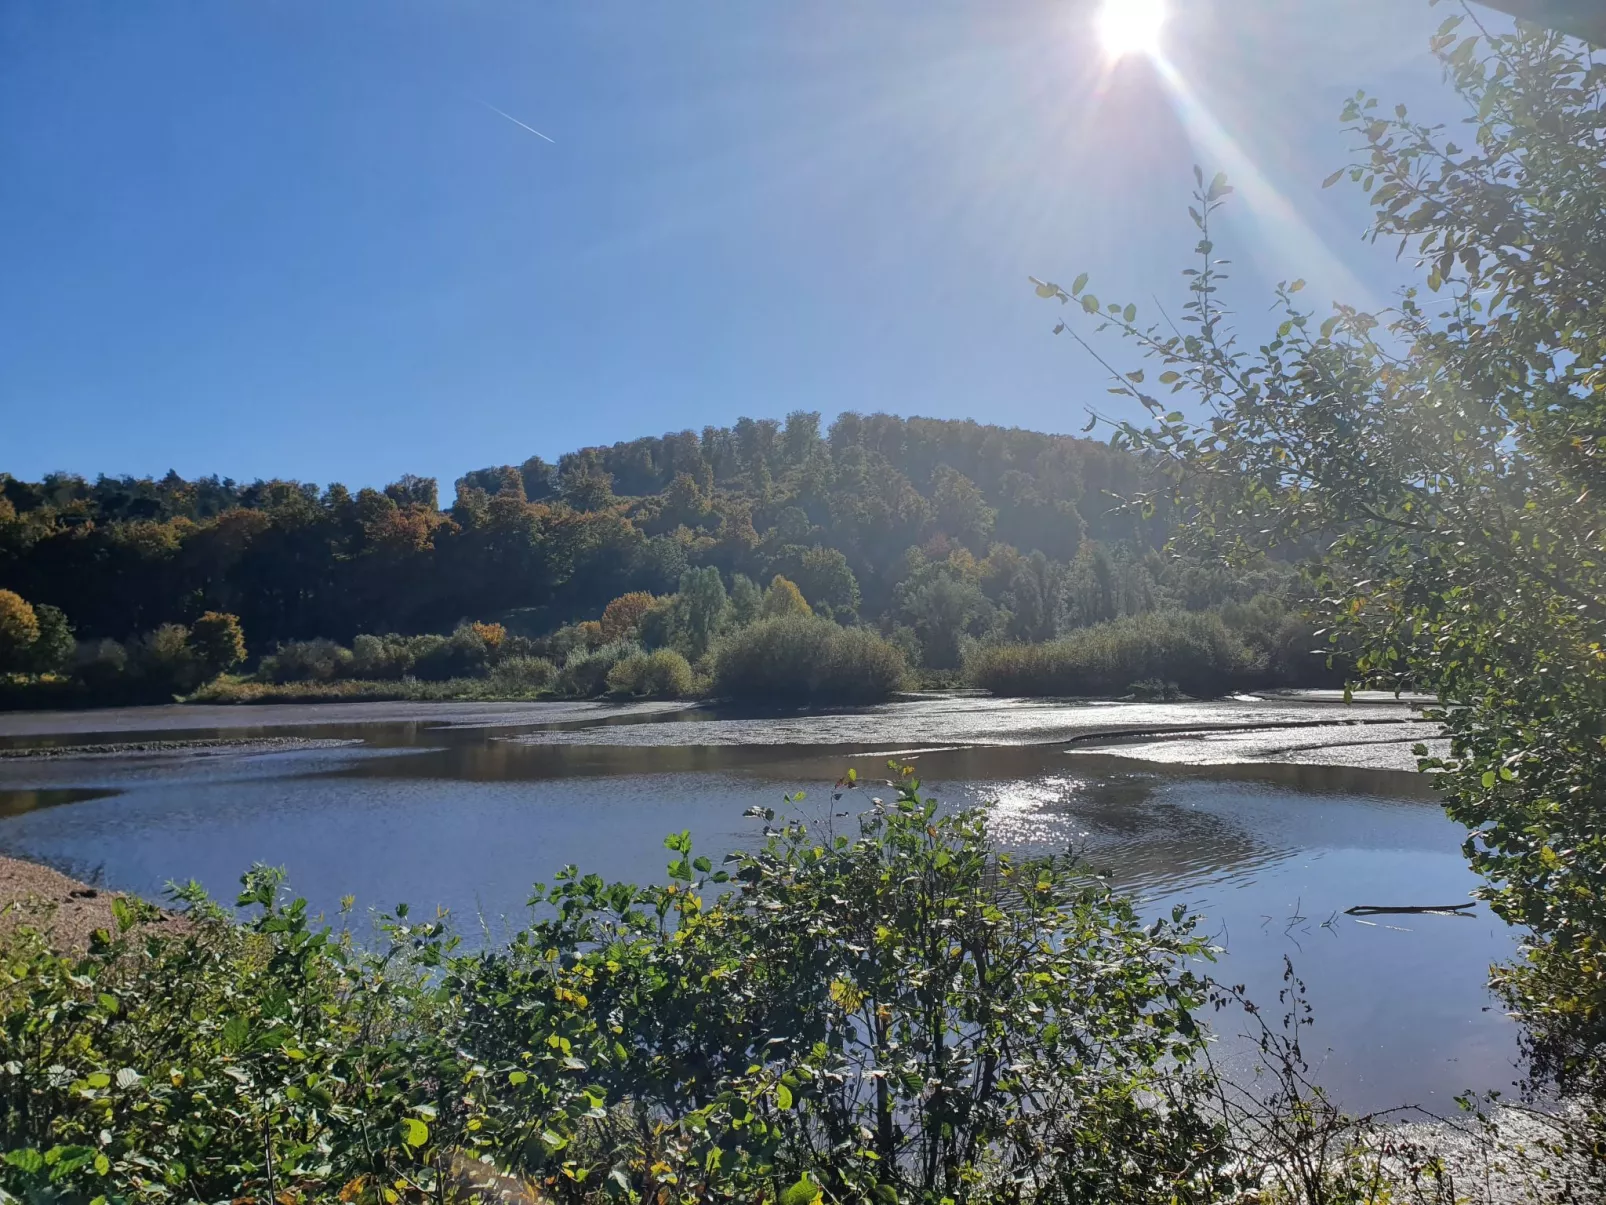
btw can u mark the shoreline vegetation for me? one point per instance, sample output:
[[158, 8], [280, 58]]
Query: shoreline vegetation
[[782, 652], [889, 1011], [914, 546]]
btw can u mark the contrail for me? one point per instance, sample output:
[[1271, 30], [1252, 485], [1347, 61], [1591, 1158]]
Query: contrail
[[516, 121]]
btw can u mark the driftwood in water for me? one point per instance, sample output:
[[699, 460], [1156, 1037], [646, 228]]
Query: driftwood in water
[[1379, 910]]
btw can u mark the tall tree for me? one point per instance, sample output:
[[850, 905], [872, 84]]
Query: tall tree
[[1451, 454]]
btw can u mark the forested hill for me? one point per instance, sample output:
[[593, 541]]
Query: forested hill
[[913, 523]]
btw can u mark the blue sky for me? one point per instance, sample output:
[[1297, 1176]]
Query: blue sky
[[291, 239]]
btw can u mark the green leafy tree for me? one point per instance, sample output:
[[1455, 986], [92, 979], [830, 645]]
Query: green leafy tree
[[1452, 453], [944, 608], [960, 509], [218, 642], [701, 605], [747, 600], [586, 487], [54, 649], [826, 580]]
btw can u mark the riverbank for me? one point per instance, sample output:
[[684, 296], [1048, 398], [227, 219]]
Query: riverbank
[[66, 910]]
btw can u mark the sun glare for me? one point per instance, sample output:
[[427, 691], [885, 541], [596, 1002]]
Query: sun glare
[[1130, 27]]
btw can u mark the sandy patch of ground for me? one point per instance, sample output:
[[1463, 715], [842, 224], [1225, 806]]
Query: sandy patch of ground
[[66, 910]]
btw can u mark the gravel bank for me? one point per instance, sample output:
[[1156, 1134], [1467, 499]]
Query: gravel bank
[[67, 910], [200, 747]]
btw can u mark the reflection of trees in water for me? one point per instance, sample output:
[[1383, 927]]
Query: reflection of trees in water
[[15, 803]]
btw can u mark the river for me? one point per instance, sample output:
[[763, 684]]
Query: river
[[1269, 817]]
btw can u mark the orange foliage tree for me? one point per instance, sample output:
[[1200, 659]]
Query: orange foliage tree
[[622, 617]]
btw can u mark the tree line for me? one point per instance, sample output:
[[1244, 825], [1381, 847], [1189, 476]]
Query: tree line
[[939, 534]]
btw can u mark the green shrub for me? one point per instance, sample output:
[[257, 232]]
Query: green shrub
[[1194, 650], [307, 661], [1284, 638], [466, 653], [801, 658], [585, 673], [382, 658], [661, 674], [100, 663], [523, 675], [165, 662]]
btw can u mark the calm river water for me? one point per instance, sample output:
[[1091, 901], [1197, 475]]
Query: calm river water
[[1268, 817]]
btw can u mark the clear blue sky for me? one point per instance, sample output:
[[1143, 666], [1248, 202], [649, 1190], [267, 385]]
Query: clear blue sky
[[290, 239]]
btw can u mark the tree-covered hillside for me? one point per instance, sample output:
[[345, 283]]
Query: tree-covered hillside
[[941, 535], [933, 530]]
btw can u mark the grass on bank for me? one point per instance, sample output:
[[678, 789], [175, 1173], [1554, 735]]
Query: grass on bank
[[1195, 652]]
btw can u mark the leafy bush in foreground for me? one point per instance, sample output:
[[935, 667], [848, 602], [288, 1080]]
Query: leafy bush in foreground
[[1193, 650], [900, 1015], [794, 657]]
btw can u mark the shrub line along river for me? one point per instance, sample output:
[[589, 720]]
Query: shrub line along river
[[1269, 816]]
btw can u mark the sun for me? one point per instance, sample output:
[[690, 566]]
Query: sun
[[1130, 27]]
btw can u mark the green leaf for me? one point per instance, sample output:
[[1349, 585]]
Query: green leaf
[[26, 1160], [1488, 778], [414, 1132], [1169, 377], [804, 1192], [1334, 178], [1090, 303], [1079, 284], [517, 1077], [1130, 313], [783, 1096], [98, 1079]]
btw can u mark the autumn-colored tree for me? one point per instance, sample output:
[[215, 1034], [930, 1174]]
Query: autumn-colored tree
[[218, 642], [784, 598], [622, 617], [19, 629], [492, 633]]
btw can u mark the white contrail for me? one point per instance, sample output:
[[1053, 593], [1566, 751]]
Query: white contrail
[[516, 121]]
